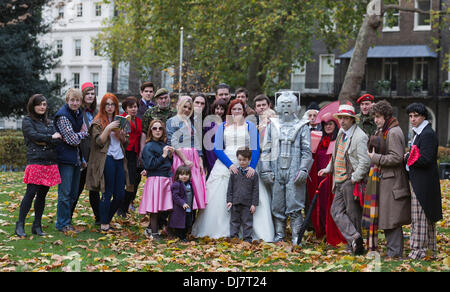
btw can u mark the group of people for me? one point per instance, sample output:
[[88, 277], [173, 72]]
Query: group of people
[[227, 170]]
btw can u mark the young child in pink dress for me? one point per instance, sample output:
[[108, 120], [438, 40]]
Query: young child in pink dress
[[157, 162]]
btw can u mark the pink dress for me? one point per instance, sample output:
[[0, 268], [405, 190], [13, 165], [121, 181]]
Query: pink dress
[[198, 179], [156, 196]]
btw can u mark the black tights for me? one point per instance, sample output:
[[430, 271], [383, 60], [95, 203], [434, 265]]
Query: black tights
[[38, 191]]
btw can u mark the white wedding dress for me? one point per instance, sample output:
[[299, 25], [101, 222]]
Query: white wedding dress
[[214, 220]]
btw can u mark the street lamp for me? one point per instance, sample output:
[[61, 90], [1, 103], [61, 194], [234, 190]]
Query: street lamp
[[181, 61]]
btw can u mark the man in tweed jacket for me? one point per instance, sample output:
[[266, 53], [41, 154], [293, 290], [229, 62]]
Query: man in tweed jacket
[[242, 197]]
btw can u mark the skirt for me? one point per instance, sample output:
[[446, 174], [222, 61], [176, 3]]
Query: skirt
[[198, 178], [45, 175], [156, 196]]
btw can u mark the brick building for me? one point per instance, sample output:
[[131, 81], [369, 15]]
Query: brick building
[[408, 51]]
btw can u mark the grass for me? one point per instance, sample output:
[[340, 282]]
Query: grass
[[127, 249]]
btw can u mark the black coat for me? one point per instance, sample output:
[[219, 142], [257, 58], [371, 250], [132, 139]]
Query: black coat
[[41, 148], [424, 175]]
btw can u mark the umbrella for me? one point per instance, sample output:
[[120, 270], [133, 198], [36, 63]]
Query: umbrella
[[310, 210], [331, 108]]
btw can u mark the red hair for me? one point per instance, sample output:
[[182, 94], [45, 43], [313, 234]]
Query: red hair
[[233, 103], [102, 116]]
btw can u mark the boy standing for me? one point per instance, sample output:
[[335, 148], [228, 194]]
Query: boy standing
[[242, 197]]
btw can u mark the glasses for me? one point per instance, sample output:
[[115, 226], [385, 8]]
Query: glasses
[[110, 104], [157, 128]]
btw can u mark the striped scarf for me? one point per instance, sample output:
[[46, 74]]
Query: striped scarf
[[371, 196], [370, 208]]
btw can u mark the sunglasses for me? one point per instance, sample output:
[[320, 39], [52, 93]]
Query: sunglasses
[[157, 128]]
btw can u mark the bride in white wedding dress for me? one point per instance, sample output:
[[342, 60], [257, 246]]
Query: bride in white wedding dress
[[214, 220]]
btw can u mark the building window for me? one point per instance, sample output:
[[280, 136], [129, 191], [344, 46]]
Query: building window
[[61, 11], [79, 9], [421, 20], [94, 43], [98, 9], [58, 81], [299, 78], [95, 82], [326, 77], [421, 72], [76, 80], [391, 20], [77, 47], [390, 71], [59, 48]]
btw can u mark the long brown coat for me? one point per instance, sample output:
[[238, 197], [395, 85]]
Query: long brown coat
[[95, 178], [395, 196]]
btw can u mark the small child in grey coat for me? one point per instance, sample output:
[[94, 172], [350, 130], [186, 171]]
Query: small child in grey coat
[[242, 197]]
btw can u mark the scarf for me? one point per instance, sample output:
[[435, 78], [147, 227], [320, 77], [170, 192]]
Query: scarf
[[325, 142], [372, 193]]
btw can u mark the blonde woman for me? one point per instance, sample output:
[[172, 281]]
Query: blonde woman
[[182, 135]]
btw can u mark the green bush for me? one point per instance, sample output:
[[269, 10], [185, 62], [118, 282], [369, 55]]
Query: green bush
[[13, 152]]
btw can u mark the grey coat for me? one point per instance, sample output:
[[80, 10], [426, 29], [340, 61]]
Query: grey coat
[[243, 190], [395, 196], [358, 155]]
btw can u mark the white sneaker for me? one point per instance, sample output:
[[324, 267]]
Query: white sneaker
[[148, 233]]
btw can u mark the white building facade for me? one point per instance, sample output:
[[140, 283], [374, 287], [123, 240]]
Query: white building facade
[[76, 24]]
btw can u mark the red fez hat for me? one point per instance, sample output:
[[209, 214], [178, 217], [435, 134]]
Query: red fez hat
[[365, 97]]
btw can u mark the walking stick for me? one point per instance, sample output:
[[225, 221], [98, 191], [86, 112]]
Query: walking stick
[[309, 213]]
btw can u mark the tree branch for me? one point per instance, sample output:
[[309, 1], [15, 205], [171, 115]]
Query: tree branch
[[410, 9]]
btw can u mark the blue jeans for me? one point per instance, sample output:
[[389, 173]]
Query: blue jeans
[[114, 188], [67, 193]]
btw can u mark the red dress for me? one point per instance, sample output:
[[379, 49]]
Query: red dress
[[46, 175], [321, 218]]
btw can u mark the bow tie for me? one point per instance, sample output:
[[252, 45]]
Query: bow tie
[[243, 171]]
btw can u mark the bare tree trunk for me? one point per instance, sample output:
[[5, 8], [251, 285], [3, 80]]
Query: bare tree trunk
[[355, 72]]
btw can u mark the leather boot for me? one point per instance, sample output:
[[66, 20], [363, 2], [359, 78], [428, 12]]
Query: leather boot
[[20, 229], [280, 229], [37, 229], [296, 224]]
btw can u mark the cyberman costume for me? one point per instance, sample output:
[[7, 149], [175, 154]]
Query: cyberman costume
[[285, 162]]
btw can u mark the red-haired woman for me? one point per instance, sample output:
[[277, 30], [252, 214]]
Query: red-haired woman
[[107, 168], [234, 133]]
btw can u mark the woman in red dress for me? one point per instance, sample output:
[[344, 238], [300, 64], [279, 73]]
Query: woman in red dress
[[321, 218], [42, 171]]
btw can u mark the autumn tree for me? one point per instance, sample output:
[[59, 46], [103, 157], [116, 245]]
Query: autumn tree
[[240, 42], [255, 44]]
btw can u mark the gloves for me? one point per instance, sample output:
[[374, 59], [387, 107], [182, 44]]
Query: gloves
[[301, 177], [267, 177]]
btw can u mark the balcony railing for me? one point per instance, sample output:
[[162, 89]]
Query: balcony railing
[[398, 88]]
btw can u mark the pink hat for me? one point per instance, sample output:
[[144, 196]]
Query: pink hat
[[87, 84], [329, 117]]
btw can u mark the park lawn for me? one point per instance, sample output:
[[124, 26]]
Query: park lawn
[[127, 249]]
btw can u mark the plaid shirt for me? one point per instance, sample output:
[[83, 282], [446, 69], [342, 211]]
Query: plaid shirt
[[68, 134]]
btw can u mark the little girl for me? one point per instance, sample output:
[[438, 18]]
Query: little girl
[[182, 195], [156, 158]]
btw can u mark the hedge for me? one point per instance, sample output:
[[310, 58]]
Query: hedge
[[12, 151]]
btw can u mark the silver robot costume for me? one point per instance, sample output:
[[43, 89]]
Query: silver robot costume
[[285, 162]]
